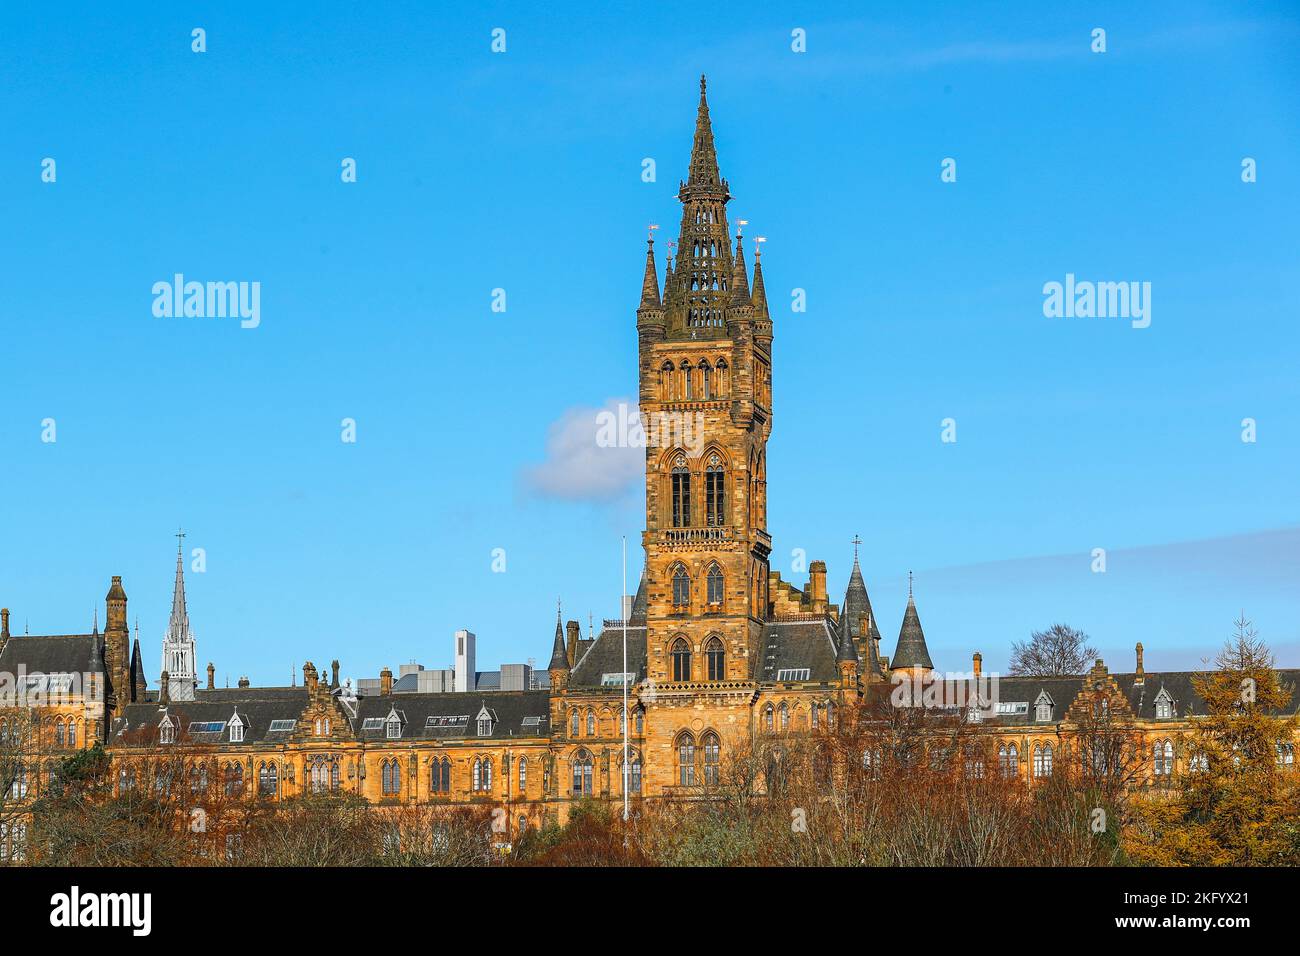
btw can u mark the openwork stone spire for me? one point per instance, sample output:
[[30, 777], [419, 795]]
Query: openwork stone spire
[[703, 275], [178, 642]]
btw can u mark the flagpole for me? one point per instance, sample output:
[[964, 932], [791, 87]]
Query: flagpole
[[622, 600]]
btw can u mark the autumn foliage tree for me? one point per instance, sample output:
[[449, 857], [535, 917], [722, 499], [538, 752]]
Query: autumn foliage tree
[[1238, 804]]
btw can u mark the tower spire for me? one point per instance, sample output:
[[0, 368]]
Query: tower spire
[[650, 284], [704, 157], [739, 276], [760, 292], [178, 658], [559, 657]]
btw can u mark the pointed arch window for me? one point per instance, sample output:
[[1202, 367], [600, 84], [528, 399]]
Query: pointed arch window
[[715, 506], [686, 759], [1042, 760], [688, 391], [59, 733], [640, 721], [234, 779], [591, 723], [681, 588], [1164, 758], [634, 774], [582, 765], [681, 494], [1009, 760], [716, 659], [785, 716], [573, 723], [72, 733], [681, 655], [706, 381], [721, 384], [715, 587], [440, 776], [523, 774], [768, 718], [666, 381], [268, 780], [712, 748]]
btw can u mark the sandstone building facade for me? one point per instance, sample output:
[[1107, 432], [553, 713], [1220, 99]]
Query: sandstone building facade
[[720, 649]]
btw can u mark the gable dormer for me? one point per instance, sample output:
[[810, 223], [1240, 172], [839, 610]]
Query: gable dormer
[[1044, 707], [485, 721], [394, 723], [1164, 704], [235, 728]]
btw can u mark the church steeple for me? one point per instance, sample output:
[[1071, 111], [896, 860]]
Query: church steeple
[[759, 295], [178, 642]]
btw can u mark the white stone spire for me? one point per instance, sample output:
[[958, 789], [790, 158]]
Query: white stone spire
[[178, 642]]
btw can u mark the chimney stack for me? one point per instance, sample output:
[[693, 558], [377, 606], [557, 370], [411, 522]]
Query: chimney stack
[[386, 682], [977, 663], [574, 632], [1141, 676], [334, 674], [243, 682], [164, 688], [212, 676], [4, 623], [817, 585]]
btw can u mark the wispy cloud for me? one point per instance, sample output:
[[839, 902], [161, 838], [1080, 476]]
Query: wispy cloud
[[577, 468]]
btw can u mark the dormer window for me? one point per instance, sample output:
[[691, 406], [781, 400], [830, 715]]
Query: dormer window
[[1164, 705], [167, 731], [393, 725], [1043, 708], [484, 721], [236, 727]]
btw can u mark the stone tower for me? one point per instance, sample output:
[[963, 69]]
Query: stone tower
[[705, 352], [178, 643]]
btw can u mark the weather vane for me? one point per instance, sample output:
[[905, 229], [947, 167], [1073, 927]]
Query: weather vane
[[758, 247], [856, 541], [653, 227], [740, 227]]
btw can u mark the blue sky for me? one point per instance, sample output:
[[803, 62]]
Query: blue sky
[[522, 171]]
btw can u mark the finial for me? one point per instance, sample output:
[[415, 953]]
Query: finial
[[856, 541], [180, 540], [909, 585], [740, 227], [653, 227], [758, 246], [702, 83], [558, 614], [591, 625], [95, 612]]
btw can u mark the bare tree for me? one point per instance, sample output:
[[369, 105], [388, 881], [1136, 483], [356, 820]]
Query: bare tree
[[1059, 651]]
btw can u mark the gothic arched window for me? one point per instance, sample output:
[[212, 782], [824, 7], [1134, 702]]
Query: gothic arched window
[[681, 588], [686, 759], [234, 779], [591, 723], [666, 381], [716, 659], [688, 392], [768, 714], [715, 587], [721, 384], [785, 716], [268, 780], [58, 732], [440, 776], [582, 764], [712, 751], [640, 721], [715, 506], [681, 494], [706, 381], [523, 774], [681, 655], [573, 723]]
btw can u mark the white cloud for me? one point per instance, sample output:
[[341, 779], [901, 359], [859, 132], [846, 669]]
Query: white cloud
[[577, 468]]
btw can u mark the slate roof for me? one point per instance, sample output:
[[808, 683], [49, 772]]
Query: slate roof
[[54, 654], [798, 644], [256, 706], [1141, 697], [605, 655], [856, 606], [506, 708], [911, 650]]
